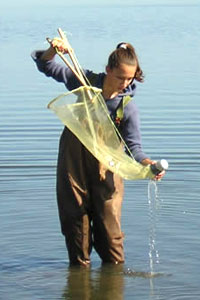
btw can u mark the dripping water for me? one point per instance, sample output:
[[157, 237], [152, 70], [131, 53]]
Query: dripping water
[[154, 207]]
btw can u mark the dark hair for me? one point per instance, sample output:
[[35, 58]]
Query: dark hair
[[125, 54]]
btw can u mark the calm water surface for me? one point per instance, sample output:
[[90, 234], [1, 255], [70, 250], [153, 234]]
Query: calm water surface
[[33, 261]]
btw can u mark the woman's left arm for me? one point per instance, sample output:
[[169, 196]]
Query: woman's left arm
[[132, 137]]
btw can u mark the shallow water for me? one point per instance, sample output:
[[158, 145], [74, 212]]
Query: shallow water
[[33, 263]]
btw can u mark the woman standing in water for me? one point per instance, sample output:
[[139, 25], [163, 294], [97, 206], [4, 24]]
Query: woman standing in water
[[89, 203]]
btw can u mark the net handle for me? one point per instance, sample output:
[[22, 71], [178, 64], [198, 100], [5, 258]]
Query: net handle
[[71, 53], [75, 69]]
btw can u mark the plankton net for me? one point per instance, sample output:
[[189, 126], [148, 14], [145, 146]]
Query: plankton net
[[85, 113]]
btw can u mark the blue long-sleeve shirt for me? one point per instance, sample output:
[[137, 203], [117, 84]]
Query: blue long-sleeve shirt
[[130, 125]]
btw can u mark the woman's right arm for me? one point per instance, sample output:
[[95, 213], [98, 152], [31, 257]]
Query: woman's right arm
[[46, 63]]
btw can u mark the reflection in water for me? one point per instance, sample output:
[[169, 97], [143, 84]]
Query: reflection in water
[[106, 283]]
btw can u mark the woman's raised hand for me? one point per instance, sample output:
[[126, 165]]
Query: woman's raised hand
[[59, 44]]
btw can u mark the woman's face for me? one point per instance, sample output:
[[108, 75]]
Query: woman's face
[[119, 78]]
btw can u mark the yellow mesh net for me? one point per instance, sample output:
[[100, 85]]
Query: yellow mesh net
[[84, 112]]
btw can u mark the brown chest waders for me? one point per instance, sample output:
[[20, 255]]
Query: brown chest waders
[[89, 202]]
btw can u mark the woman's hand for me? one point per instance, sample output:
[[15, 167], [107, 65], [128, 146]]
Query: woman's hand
[[159, 176], [60, 45], [148, 161], [57, 44]]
